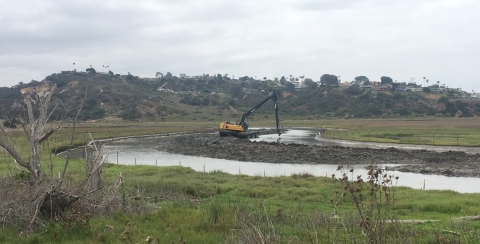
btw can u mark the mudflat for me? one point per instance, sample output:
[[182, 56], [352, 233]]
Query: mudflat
[[454, 163]]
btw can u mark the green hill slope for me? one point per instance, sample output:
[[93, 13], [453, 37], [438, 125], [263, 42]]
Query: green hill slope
[[220, 98]]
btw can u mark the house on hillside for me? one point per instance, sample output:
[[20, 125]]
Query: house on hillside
[[435, 89], [149, 79], [369, 87], [414, 89], [401, 88], [383, 88]]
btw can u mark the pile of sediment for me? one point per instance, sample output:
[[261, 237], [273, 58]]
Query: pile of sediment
[[450, 163]]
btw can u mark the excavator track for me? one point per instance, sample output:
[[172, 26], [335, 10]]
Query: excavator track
[[241, 135]]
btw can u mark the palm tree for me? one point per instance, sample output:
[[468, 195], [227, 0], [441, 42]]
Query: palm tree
[[427, 82]]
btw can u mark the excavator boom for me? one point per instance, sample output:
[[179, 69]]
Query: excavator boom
[[240, 129]]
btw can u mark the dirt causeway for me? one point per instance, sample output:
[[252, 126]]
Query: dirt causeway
[[448, 163]]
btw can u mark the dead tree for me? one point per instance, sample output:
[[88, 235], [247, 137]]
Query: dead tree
[[34, 129], [47, 196]]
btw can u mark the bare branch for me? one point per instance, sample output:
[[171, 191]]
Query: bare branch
[[14, 154], [7, 135], [67, 160], [51, 112]]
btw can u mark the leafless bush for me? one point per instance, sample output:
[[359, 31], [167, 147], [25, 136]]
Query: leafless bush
[[18, 212], [374, 200], [14, 203]]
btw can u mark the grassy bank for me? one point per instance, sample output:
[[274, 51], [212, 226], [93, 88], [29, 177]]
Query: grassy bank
[[433, 131], [217, 207], [85, 132]]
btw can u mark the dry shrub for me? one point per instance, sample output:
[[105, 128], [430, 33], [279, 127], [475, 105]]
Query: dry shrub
[[15, 205], [18, 212], [373, 200]]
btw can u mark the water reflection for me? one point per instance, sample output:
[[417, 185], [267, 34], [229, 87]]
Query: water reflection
[[145, 152]]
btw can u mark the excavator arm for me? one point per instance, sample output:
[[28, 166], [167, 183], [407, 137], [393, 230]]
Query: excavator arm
[[273, 96], [228, 128]]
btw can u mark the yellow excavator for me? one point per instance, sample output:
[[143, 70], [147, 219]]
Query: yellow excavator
[[240, 129]]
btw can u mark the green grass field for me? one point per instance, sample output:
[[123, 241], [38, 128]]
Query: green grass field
[[432, 131], [288, 209], [216, 207]]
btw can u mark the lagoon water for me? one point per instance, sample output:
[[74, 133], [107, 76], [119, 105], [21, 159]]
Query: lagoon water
[[145, 151]]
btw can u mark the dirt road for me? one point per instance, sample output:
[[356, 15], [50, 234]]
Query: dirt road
[[448, 163]]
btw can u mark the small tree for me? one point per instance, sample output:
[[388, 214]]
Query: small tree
[[386, 80], [361, 80], [91, 70], [309, 83], [289, 86], [329, 80]]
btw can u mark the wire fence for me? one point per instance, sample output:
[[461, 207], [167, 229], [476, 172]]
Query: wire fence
[[419, 137]]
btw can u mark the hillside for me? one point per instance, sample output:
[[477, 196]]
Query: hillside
[[114, 97]]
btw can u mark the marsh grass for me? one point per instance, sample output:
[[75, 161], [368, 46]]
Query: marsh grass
[[426, 131], [216, 207]]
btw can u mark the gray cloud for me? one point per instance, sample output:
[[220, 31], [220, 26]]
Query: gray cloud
[[400, 39]]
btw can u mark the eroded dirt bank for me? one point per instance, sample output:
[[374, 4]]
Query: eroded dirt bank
[[450, 163]]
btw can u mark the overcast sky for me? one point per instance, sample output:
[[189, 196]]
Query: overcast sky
[[408, 39]]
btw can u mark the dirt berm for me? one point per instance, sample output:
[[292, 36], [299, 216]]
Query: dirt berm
[[449, 163]]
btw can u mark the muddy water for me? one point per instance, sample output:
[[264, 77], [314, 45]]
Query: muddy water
[[145, 152]]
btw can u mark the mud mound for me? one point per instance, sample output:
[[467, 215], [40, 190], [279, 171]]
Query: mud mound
[[418, 161]]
